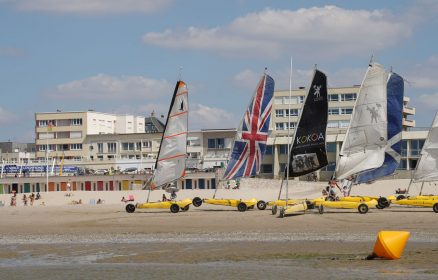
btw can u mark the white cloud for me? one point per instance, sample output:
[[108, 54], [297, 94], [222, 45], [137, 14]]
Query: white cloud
[[320, 31], [202, 116], [106, 87], [424, 75], [92, 6], [428, 100], [7, 117]]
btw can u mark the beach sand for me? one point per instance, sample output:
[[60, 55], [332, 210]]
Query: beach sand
[[63, 241]]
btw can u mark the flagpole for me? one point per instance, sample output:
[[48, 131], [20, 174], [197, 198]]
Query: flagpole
[[288, 134], [47, 159]]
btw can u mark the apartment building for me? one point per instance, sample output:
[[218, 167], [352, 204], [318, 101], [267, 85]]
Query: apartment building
[[62, 134]]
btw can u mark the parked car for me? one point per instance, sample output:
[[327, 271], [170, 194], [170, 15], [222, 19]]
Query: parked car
[[130, 170], [101, 172]]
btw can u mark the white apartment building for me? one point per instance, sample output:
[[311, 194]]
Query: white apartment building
[[63, 133]]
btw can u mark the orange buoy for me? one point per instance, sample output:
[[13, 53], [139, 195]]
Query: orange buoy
[[390, 244]]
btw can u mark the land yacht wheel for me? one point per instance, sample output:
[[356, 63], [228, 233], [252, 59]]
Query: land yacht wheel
[[321, 209], [174, 208], [274, 209], [130, 208], [383, 202], [401, 197], [185, 208], [261, 205], [378, 206], [197, 201], [281, 213], [242, 207], [435, 208], [363, 208]]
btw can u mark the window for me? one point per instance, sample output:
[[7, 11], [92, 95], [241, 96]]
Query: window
[[128, 146], [112, 147], [63, 135], [346, 111], [344, 124], [283, 150], [333, 97], [332, 124], [278, 100], [348, 96], [75, 134], [300, 99], [333, 111], [266, 168], [269, 150], [402, 165], [147, 144], [279, 126], [76, 147], [404, 151], [138, 146], [100, 148], [331, 147], [76, 122], [416, 146], [279, 113], [49, 135], [293, 112], [216, 143]]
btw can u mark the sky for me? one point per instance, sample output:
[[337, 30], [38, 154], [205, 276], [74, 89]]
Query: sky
[[124, 57]]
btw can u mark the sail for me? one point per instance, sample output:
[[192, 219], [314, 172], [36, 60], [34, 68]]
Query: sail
[[308, 152], [252, 133], [395, 91], [171, 160], [366, 139], [427, 168]]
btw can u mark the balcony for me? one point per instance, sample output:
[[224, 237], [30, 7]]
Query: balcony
[[408, 111], [408, 123]]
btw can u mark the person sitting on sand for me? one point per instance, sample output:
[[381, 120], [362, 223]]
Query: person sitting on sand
[[99, 201]]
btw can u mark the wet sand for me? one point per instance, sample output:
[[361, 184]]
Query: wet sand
[[105, 242]]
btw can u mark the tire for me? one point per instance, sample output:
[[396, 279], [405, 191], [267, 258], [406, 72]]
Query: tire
[[362, 208], [130, 208], [379, 207], [174, 208], [197, 201], [310, 205], [383, 202], [321, 209], [185, 208], [261, 205], [435, 208], [242, 207], [274, 210], [281, 213], [401, 197]]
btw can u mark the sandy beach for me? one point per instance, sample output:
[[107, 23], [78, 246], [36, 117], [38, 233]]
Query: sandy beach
[[65, 241]]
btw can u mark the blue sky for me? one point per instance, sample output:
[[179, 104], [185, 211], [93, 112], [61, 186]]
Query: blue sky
[[125, 56]]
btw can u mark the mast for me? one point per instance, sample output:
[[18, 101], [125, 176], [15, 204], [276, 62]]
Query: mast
[[288, 133]]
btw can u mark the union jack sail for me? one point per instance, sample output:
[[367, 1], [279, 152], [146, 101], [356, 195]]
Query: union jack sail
[[250, 143]]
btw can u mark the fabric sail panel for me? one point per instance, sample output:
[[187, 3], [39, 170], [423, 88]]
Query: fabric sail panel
[[395, 93], [308, 151], [252, 133], [427, 168], [171, 160], [366, 138]]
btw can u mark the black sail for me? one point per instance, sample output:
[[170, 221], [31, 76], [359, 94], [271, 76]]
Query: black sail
[[308, 151]]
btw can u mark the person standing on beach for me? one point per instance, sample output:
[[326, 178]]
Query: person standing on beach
[[24, 199]]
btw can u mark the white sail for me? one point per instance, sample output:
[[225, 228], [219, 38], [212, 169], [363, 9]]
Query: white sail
[[427, 168], [366, 138], [171, 161]]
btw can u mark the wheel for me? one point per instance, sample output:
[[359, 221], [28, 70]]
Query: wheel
[[242, 207], [281, 213], [378, 206], [185, 208], [435, 208], [363, 208], [130, 208], [197, 201], [274, 210], [383, 202], [174, 208], [321, 209], [261, 205], [310, 205], [400, 197]]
